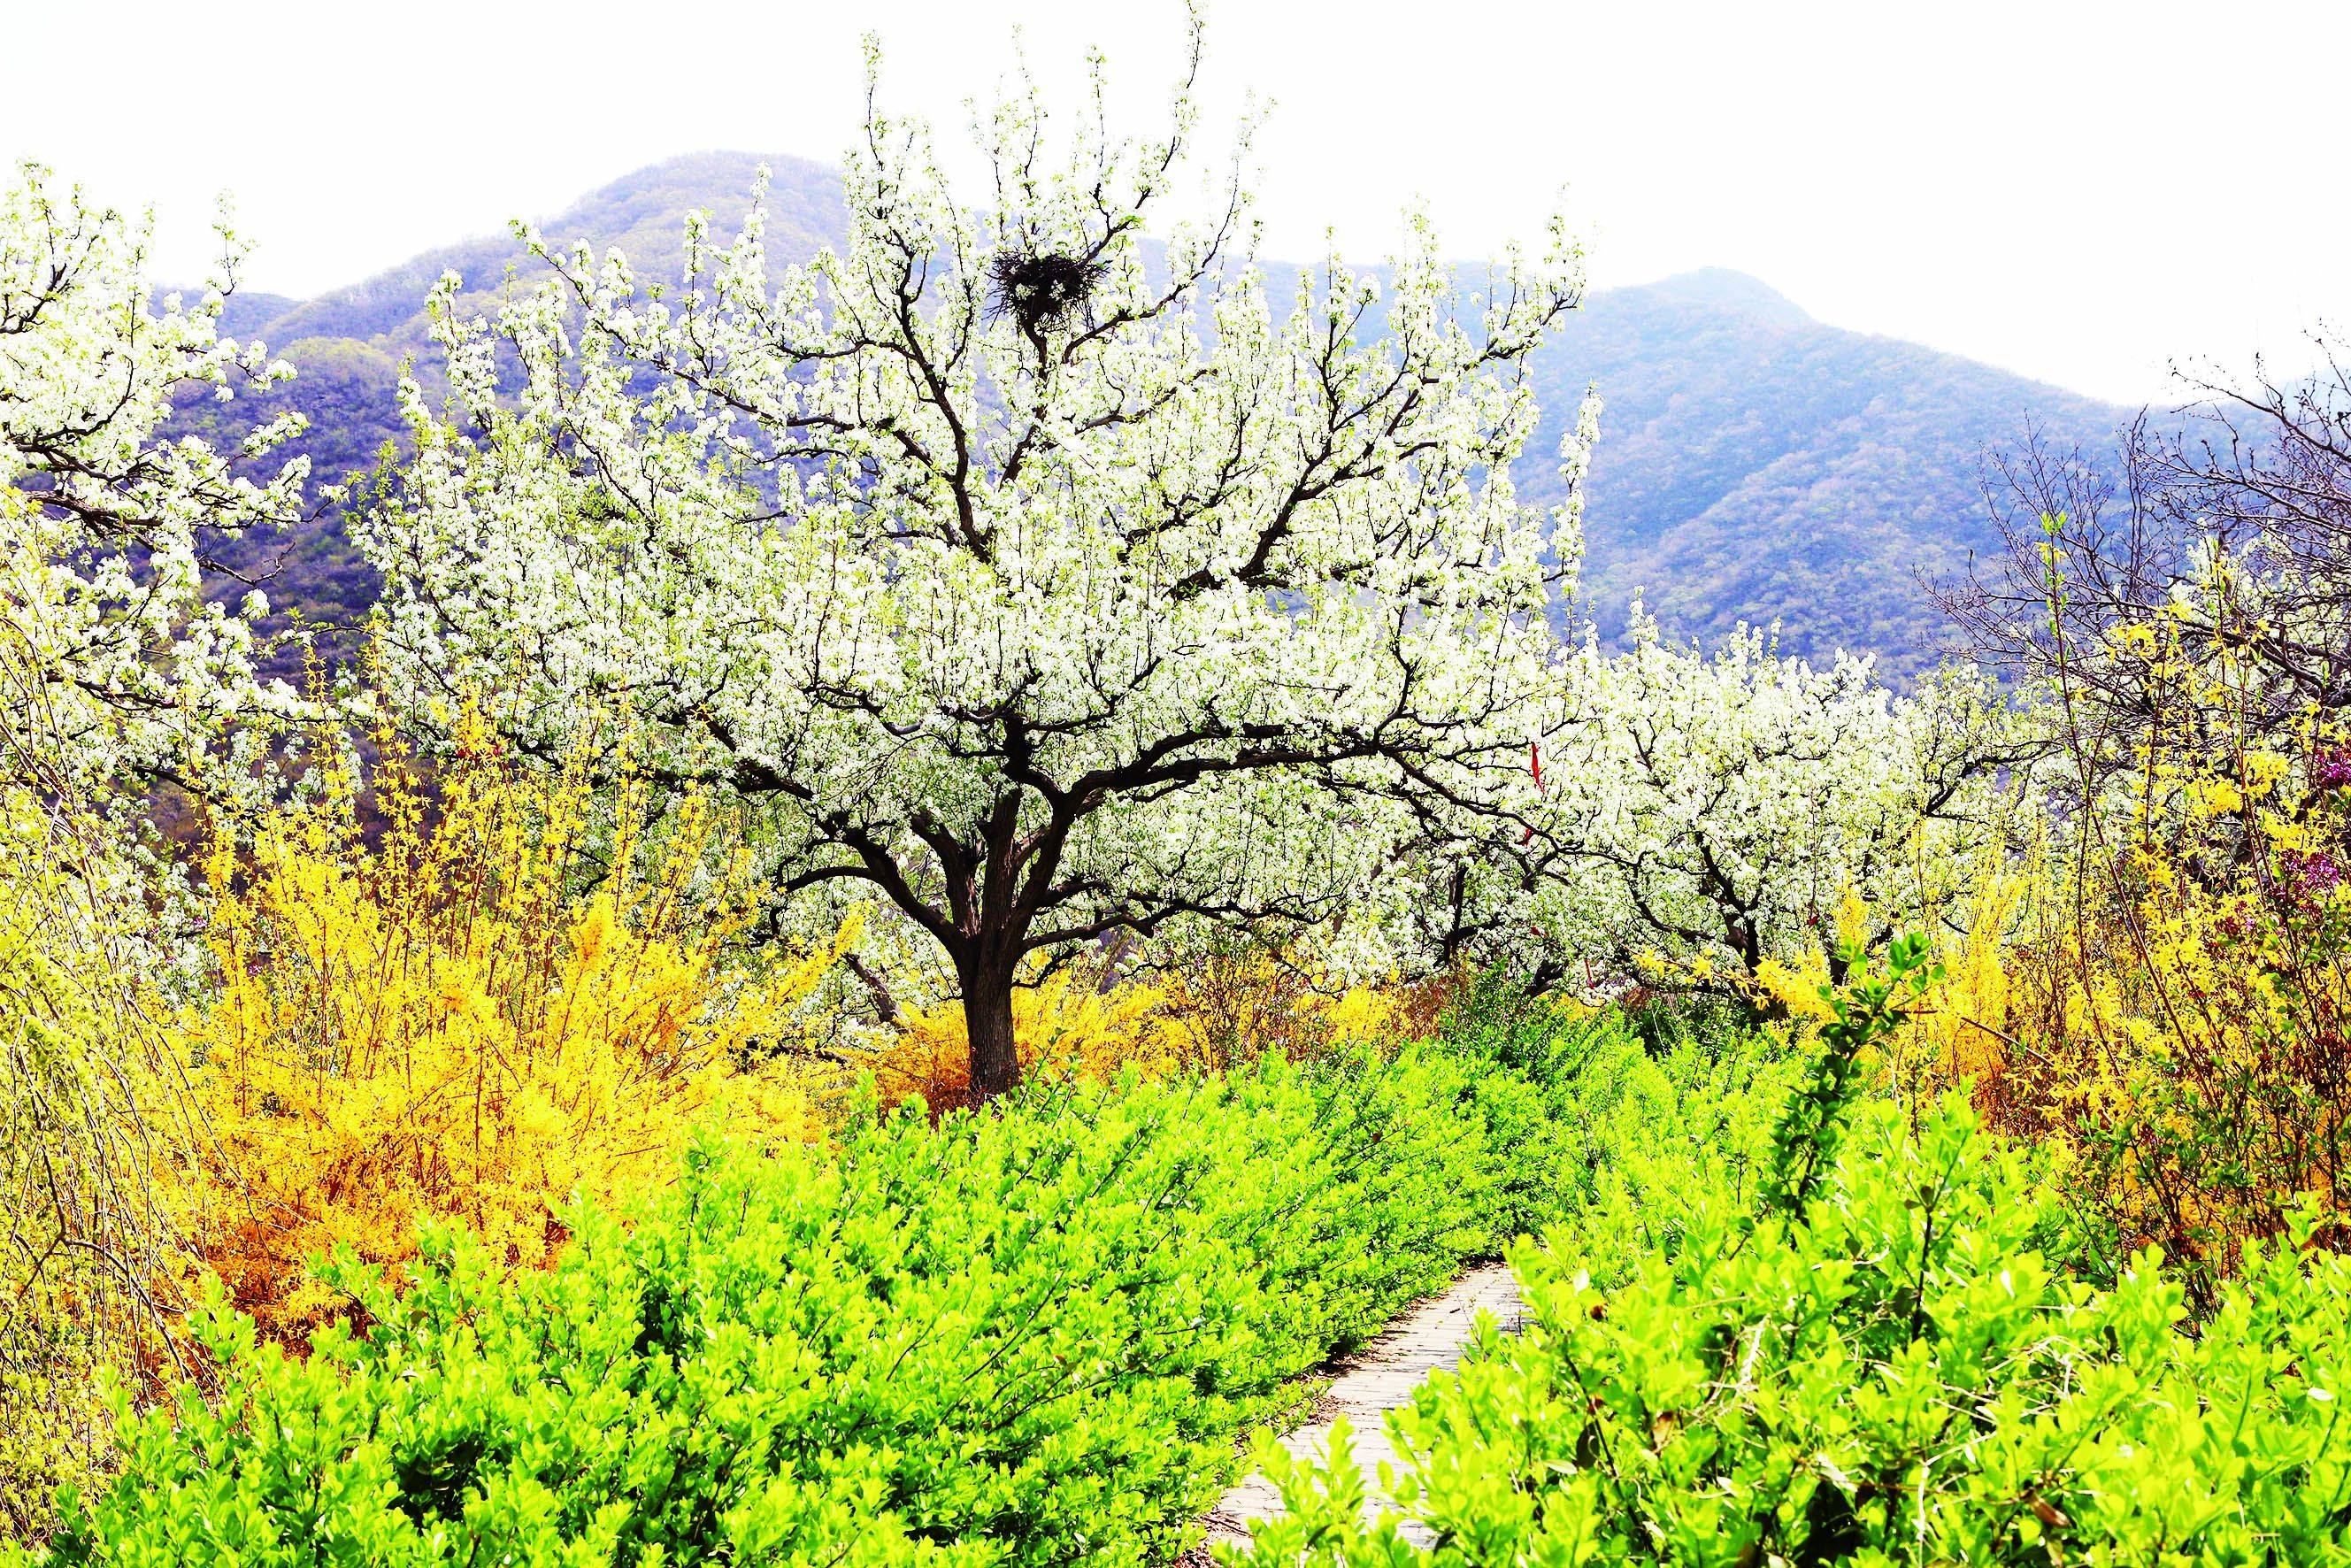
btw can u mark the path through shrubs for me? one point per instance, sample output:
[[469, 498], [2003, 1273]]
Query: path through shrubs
[[1385, 1377]]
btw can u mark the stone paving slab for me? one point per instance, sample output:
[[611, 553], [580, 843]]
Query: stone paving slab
[[1377, 1379]]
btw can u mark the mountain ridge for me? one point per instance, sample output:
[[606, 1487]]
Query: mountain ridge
[[1755, 464]]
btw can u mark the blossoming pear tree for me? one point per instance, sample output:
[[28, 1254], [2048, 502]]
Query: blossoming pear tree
[[1050, 581], [1715, 811], [112, 660]]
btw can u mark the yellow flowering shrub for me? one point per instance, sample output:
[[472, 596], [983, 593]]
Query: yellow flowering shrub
[[1955, 1032], [1793, 989], [1233, 1008], [2187, 1043], [1796, 989], [1958, 1032], [1223, 1011], [1062, 1027], [2179, 1002], [453, 1016]]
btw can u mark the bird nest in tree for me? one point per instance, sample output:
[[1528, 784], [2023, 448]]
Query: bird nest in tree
[[1042, 290]]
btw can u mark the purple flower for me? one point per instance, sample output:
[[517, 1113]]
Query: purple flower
[[2312, 877], [2331, 770]]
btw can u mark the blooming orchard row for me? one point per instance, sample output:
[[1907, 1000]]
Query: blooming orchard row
[[1179, 600]]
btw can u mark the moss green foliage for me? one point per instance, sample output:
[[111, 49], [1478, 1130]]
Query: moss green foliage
[[1774, 1320], [1028, 1336], [1573, 1106], [1890, 1359]]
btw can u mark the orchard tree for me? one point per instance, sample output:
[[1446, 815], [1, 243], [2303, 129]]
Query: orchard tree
[[1054, 580], [113, 663], [1715, 809]]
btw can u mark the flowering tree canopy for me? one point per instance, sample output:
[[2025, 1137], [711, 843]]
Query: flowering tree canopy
[[1715, 809], [114, 670], [1054, 581], [1687, 816], [109, 651]]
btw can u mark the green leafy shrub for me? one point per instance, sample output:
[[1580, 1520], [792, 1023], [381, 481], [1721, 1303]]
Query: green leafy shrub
[[1029, 1336], [1572, 1099], [1905, 1372], [1865, 1012]]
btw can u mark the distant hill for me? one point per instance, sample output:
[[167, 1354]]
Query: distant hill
[[1754, 464]]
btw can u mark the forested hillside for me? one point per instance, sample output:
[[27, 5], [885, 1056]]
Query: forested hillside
[[1755, 464]]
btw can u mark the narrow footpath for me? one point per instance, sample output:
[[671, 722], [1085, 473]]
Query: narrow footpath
[[1377, 1379]]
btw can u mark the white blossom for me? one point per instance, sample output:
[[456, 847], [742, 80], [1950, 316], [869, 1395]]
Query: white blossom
[[1053, 582], [112, 662], [1713, 810]]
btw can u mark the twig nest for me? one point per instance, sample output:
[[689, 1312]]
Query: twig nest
[[1043, 290]]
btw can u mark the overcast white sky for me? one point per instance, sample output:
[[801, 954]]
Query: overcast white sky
[[2078, 191]]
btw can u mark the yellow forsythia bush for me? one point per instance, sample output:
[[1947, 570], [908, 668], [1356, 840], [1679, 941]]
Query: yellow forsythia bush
[[1230, 1009], [446, 1018], [1958, 1033], [1221, 1011], [2180, 1002], [2190, 1043], [2168, 1013], [1955, 1033], [1063, 1026]]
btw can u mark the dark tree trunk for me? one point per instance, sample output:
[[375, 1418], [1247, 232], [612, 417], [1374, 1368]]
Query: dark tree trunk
[[987, 1015]]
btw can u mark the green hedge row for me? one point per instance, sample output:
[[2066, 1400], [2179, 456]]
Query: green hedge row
[[1031, 1336], [1913, 1371]]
